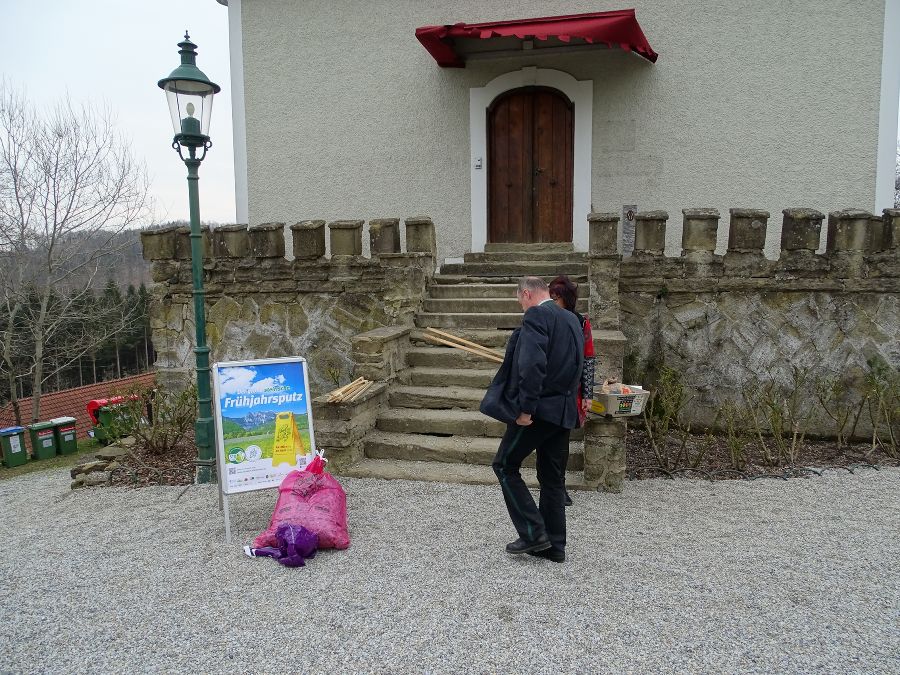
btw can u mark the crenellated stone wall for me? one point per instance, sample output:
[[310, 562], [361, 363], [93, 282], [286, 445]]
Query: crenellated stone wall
[[728, 321], [260, 304], [724, 322]]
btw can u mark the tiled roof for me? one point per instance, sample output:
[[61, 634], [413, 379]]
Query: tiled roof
[[73, 402]]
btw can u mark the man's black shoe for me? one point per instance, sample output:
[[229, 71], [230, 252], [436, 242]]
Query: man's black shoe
[[568, 501], [521, 546], [553, 554]]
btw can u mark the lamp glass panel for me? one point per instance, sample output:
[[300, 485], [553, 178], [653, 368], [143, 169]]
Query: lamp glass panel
[[190, 106]]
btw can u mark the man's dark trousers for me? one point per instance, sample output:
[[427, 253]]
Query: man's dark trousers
[[552, 444]]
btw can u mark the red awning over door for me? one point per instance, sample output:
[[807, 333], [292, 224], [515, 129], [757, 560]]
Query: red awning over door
[[613, 29]]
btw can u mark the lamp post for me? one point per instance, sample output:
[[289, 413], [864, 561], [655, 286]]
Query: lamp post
[[190, 96]]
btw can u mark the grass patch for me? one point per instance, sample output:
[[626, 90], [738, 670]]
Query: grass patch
[[86, 447]]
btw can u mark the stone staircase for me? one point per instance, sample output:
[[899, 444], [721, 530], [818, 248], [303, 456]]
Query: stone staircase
[[432, 429]]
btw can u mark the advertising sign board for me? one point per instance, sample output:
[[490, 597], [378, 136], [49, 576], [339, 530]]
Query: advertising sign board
[[264, 424]]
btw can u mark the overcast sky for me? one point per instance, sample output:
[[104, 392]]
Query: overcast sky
[[113, 52]]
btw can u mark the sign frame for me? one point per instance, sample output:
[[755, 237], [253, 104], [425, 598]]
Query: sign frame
[[225, 491]]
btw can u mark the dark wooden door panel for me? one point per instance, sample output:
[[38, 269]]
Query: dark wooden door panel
[[530, 167]]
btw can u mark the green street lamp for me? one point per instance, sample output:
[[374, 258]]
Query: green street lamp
[[190, 95]]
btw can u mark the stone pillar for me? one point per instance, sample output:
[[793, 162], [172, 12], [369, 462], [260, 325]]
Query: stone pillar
[[420, 237], [891, 236], [603, 233], [799, 242], [699, 231], [800, 229], [341, 427], [650, 233], [879, 230], [746, 241], [849, 230], [183, 243], [231, 241], [603, 282], [346, 237], [384, 235], [267, 240], [380, 354], [309, 239], [747, 230], [850, 237], [609, 351], [159, 244], [604, 453]]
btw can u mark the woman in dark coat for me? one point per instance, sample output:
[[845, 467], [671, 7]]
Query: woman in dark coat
[[564, 293]]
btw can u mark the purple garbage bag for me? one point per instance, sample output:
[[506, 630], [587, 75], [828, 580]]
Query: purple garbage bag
[[296, 544]]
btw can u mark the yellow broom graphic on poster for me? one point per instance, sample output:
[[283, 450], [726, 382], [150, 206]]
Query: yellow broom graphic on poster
[[288, 444]]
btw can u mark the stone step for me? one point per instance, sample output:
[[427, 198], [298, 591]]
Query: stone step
[[494, 338], [446, 423], [447, 357], [455, 449], [442, 472], [515, 269], [436, 398], [468, 320], [440, 422], [472, 291], [451, 279], [482, 305], [540, 247], [441, 377], [525, 256]]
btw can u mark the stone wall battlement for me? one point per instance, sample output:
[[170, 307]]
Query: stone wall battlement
[[267, 241], [858, 245], [262, 304]]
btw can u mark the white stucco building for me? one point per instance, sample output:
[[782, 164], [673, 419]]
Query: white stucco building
[[341, 112]]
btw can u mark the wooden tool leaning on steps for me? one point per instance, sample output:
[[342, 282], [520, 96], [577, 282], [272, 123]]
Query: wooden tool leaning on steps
[[349, 392], [459, 343]]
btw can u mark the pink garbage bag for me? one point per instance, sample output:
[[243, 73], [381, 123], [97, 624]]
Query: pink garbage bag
[[314, 499]]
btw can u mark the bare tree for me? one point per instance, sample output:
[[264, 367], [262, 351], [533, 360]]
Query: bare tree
[[68, 186]]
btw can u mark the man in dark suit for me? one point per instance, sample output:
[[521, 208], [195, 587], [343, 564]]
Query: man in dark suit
[[538, 386]]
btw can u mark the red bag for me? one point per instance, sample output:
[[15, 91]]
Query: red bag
[[314, 499]]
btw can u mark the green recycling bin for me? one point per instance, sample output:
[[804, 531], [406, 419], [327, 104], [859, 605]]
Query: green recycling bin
[[12, 443], [43, 440], [64, 433], [112, 423]]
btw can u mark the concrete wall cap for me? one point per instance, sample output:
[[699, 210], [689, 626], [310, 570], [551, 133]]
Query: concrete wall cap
[[419, 220], [161, 230], [267, 227], [850, 213], [383, 334], [308, 225], [891, 213], [749, 213], [381, 222], [651, 215], [346, 224], [700, 213], [231, 228], [603, 217], [803, 214]]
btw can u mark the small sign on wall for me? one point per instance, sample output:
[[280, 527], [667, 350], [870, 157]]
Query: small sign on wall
[[628, 213]]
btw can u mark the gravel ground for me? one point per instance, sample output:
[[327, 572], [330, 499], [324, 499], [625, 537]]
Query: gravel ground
[[671, 576]]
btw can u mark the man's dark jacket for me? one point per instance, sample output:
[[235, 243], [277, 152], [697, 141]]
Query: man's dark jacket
[[541, 371]]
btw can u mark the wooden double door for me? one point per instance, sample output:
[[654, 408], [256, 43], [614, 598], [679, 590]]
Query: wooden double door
[[530, 166]]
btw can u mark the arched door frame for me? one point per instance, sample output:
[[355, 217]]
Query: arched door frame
[[581, 93]]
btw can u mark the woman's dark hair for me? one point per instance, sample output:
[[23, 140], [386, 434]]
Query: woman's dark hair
[[565, 288]]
